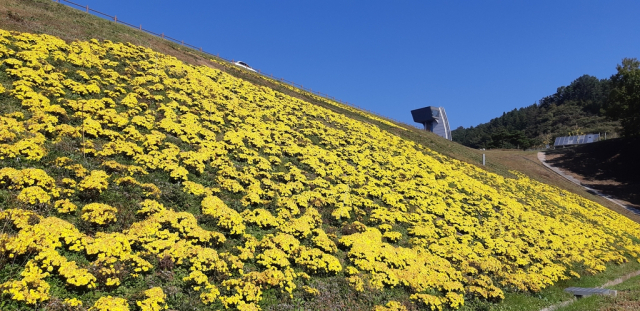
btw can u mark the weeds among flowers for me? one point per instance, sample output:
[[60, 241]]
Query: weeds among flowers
[[286, 193]]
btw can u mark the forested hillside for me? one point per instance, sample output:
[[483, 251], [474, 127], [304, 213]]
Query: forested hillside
[[574, 109]]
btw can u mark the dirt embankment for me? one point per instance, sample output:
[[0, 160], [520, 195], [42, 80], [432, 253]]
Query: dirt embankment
[[611, 167]]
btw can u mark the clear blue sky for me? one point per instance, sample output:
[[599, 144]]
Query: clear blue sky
[[475, 58]]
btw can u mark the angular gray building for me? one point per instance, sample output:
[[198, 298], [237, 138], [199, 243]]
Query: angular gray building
[[434, 120]]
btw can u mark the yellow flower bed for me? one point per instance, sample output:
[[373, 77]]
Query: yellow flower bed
[[273, 174]]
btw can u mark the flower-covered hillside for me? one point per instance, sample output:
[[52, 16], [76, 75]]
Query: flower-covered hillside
[[130, 180]]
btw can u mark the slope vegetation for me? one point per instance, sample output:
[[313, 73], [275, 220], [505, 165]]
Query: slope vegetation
[[49, 17], [131, 180]]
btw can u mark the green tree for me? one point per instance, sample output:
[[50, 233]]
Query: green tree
[[581, 102], [624, 98]]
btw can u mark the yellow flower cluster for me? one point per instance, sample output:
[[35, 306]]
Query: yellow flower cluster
[[198, 189], [65, 206], [73, 302], [41, 239], [260, 217], [51, 260], [15, 179], [108, 303], [311, 291], [99, 213], [391, 306], [34, 195], [154, 301], [264, 163], [96, 181], [227, 218], [31, 289]]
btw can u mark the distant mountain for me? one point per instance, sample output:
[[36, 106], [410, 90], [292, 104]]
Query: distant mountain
[[573, 109]]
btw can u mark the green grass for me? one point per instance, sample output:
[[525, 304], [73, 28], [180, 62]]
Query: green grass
[[44, 16], [628, 298], [555, 294]]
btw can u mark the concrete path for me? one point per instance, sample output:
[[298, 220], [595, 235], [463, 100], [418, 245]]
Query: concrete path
[[542, 158]]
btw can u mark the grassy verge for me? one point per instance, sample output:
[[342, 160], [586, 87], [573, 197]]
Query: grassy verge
[[527, 163], [519, 301], [628, 298]]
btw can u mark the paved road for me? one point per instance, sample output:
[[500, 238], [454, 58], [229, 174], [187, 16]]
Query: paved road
[[542, 158]]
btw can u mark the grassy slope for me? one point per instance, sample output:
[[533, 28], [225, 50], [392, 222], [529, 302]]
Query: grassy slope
[[527, 162], [556, 294], [628, 299], [41, 16]]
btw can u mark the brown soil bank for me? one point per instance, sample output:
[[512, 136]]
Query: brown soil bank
[[610, 166]]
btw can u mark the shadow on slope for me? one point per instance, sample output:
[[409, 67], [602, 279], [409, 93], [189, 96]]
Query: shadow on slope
[[610, 166]]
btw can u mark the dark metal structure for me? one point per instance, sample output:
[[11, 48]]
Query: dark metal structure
[[434, 120], [576, 140]]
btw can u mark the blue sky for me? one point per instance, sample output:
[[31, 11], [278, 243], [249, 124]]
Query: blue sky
[[475, 58]]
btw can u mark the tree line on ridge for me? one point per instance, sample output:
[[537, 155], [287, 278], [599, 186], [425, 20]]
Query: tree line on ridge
[[586, 105]]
